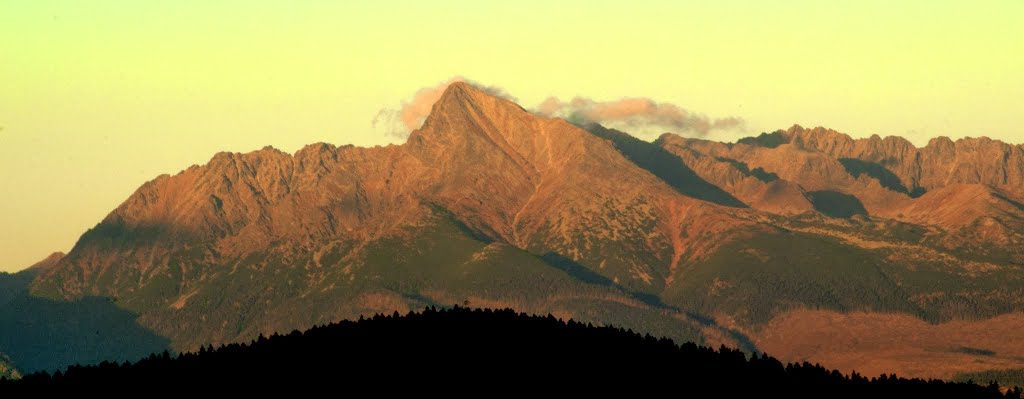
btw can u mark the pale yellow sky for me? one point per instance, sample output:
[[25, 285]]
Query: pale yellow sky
[[98, 97]]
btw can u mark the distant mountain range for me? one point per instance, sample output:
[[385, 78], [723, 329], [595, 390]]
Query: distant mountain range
[[878, 255]]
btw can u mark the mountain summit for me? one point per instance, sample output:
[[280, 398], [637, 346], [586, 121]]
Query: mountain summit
[[489, 204]]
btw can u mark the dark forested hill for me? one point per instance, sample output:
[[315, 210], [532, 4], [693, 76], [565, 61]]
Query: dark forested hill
[[44, 334], [484, 353]]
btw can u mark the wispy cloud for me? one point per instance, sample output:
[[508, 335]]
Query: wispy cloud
[[635, 111], [399, 121], [640, 112]]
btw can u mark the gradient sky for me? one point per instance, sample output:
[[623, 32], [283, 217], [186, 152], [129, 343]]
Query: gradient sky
[[97, 97]]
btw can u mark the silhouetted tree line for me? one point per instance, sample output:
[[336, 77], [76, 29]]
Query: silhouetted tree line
[[1007, 377], [460, 351]]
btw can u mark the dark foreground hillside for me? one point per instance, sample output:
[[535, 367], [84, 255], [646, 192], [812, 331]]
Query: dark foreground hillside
[[482, 353]]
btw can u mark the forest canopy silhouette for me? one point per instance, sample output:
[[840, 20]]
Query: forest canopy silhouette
[[460, 350]]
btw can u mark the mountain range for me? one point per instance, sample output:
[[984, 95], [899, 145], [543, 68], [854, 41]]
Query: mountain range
[[868, 254]]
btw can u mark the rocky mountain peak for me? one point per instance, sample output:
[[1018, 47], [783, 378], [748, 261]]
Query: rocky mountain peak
[[47, 263]]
